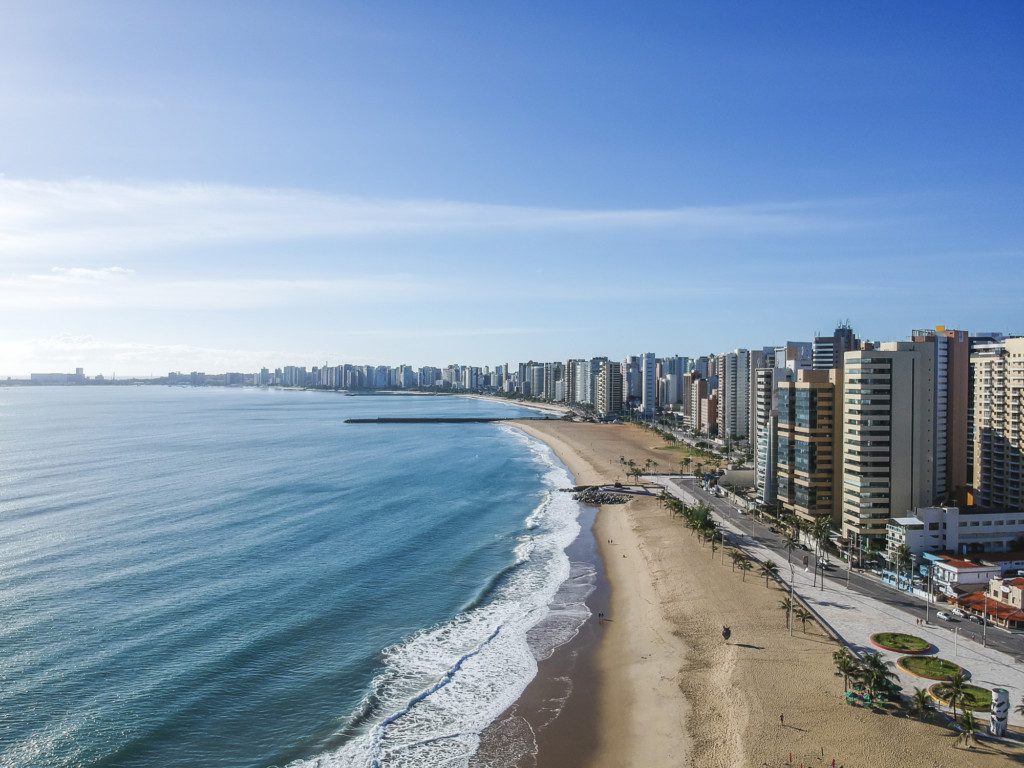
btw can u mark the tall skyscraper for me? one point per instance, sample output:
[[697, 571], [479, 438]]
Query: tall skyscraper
[[952, 402], [999, 425], [648, 385], [829, 350], [888, 435], [609, 390], [734, 394], [631, 381], [569, 373], [764, 430], [809, 444], [981, 343]]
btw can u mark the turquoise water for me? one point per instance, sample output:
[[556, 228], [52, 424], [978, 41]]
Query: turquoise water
[[210, 577]]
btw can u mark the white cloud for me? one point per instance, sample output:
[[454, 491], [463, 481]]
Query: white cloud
[[120, 288], [86, 217]]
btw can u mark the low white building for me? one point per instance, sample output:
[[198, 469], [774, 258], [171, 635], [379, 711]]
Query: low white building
[[950, 529], [950, 574]]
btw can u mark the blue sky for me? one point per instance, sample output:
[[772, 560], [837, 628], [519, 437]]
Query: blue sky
[[219, 186]]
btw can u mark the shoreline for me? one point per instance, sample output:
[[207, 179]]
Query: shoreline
[[663, 687], [561, 410]]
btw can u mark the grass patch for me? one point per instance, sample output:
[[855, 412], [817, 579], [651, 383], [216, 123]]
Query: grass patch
[[929, 666], [975, 698], [898, 641]]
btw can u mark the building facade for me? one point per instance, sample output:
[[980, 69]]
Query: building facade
[[999, 425], [888, 436]]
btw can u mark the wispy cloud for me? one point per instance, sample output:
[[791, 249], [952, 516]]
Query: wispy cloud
[[120, 288], [98, 217]]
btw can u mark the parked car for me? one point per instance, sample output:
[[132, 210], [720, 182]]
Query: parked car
[[975, 619], [946, 616], [958, 612]]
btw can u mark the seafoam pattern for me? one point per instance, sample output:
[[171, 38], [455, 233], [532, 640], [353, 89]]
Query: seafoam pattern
[[445, 684]]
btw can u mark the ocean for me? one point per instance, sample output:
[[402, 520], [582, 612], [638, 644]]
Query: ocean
[[235, 577]]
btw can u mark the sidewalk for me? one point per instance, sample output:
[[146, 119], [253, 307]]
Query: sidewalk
[[855, 617]]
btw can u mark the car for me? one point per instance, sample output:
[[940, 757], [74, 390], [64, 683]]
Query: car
[[975, 619], [958, 612], [946, 616]]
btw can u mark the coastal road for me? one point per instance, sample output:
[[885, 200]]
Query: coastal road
[[755, 531]]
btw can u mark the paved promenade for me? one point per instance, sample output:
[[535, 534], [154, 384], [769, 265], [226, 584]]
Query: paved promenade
[[856, 616]]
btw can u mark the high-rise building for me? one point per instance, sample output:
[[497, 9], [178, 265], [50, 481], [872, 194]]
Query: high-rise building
[[809, 444], [764, 428], [552, 380], [999, 425], [888, 435], [698, 391], [980, 342], [734, 394], [952, 402], [632, 383], [648, 385], [535, 378], [570, 377], [609, 389], [829, 350]]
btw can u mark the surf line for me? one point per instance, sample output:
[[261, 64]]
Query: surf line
[[448, 676]]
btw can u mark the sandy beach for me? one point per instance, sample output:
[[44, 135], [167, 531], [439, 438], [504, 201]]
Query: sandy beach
[[669, 691]]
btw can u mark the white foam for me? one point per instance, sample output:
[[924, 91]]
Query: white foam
[[444, 685]]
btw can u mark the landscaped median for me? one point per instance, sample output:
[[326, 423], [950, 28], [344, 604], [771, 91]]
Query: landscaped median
[[898, 642], [975, 699], [930, 667]]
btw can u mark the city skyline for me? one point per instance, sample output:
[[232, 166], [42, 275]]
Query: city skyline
[[179, 188]]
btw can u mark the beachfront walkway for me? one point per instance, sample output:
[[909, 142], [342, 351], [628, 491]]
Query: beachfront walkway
[[855, 616]]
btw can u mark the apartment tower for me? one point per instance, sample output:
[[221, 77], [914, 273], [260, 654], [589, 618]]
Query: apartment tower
[[888, 436], [809, 444], [999, 425]]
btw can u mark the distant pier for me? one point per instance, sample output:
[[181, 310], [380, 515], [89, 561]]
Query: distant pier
[[447, 419]]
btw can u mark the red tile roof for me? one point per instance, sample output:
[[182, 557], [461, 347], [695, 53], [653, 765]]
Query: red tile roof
[[1002, 611]]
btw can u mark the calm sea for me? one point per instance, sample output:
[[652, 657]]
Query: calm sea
[[210, 577]]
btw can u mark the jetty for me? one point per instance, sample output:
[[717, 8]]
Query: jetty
[[448, 419]]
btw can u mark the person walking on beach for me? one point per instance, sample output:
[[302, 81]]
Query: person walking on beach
[[782, 719]]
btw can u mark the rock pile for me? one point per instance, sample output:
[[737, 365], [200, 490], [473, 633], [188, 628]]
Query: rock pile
[[597, 496]]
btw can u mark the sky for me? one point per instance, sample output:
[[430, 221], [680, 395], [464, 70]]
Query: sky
[[223, 186]]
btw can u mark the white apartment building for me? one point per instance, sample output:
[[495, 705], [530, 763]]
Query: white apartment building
[[888, 436], [734, 394], [998, 450], [950, 529], [648, 385]]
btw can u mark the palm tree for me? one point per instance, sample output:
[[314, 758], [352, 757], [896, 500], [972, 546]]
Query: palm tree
[[786, 604], [822, 529], [921, 704], [790, 543], [654, 465], [685, 463], [769, 570], [736, 557], [846, 665], [968, 725], [876, 672], [744, 565], [954, 691], [1019, 709], [804, 615]]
